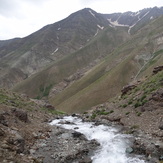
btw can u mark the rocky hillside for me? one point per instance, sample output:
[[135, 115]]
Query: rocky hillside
[[27, 137], [22, 122]]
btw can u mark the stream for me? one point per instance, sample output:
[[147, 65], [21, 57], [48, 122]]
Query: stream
[[113, 144]]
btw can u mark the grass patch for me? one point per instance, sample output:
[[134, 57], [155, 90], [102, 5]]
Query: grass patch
[[44, 91]]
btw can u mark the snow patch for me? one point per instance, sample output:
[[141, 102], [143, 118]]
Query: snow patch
[[111, 25], [139, 19], [100, 26], [151, 17], [96, 32], [115, 23], [137, 13], [55, 51], [81, 47], [92, 13], [59, 29]]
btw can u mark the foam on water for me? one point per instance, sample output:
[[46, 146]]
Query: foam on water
[[112, 143]]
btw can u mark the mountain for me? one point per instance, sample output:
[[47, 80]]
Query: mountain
[[23, 57], [110, 69], [85, 59], [128, 62], [76, 63], [134, 20]]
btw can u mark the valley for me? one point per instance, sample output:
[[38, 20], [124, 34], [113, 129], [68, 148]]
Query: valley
[[105, 69]]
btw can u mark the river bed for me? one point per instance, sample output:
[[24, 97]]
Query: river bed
[[113, 144]]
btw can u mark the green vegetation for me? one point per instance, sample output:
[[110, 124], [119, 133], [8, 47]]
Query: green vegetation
[[127, 113], [141, 94], [134, 127], [12, 99], [124, 105], [55, 112], [93, 116], [101, 112], [138, 114]]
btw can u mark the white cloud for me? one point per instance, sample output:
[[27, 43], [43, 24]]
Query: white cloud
[[21, 17]]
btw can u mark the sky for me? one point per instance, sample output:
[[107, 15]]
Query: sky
[[19, 18]]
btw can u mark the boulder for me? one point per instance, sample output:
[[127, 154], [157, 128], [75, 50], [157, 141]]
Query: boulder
[[127, 88], [49, 106], [20, 114], [2, 133], [157, 69], [129, 150], [157, 96], [20, 143], [86, 160], [78, 135], [3, 120]]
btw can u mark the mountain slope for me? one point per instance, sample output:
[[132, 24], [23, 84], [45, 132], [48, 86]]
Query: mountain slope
[[88, 56], [133, 59], [34, 52], [23, 57]]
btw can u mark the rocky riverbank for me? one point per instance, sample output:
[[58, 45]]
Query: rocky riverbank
[[64, 146], [139, 109], [26, 136]]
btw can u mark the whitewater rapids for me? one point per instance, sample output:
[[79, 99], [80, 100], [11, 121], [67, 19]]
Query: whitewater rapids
[[113, 144]]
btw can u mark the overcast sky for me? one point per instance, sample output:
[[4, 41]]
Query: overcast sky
[[19, 18]]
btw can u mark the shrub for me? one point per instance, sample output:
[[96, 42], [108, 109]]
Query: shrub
[[127, 113], [111, 111], [124, 105], [143, 97], [130, 102], [93, 116], [137, 104], [138, 113]]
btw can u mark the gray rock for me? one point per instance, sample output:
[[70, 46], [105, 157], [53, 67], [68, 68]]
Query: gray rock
[[2, 133], [86, 160], [32, 151], [129, 150], [77, 134], [3, 120], [66, 135], [43, 145], [18, 141]]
